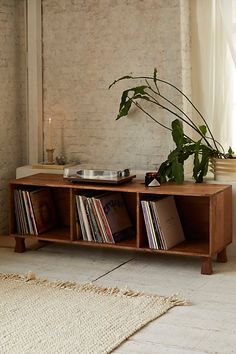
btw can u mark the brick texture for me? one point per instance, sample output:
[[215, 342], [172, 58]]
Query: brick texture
[[12, 92], [86, 46]]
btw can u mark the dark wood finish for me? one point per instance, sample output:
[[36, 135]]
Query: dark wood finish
[[222, 256], [194, 216], [62, 201], [19, 245], [205, 212], [73, 215], [136, 186], [206, 266]]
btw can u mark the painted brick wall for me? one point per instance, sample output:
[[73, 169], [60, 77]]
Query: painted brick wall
[[86, 45], [12, 93]]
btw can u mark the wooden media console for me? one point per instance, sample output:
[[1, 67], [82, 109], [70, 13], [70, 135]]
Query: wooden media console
[[205, 212]]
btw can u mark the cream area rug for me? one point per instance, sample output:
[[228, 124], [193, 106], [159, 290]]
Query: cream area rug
[[38, 316]]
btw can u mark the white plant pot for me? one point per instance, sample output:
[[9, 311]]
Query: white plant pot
[[223, 169]]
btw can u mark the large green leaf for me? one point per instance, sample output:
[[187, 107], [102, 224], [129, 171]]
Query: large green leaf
[[196, 165], [139, 89], [178, 171], [203, 129], [143, 97], [201, 162], [124, 98], [134, 91], [172, 169], [196, 160], [186, 151], [162, 171], [128, 96], [173, 155], [177, 132], [124, 110]]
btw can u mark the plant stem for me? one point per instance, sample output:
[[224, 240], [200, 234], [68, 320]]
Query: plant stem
[[176, 88], [192, 125], [195, 108], [149, 115], [156, 121]]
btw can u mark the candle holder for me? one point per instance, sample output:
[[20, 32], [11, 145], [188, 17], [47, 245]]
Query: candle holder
[[50, 160]]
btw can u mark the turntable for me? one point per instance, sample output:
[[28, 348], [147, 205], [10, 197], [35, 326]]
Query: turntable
[[79, 175]]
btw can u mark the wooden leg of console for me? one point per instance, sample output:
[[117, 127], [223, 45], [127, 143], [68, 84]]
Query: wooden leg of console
[[19, 245], [222, 256], [206, 266]]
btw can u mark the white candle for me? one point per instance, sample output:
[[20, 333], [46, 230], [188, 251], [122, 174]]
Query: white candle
[[50, 133]]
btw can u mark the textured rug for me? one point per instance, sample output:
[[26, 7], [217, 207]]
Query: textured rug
[[38, 316]]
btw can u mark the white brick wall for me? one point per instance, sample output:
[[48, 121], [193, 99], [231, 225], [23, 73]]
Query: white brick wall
[[88, 44], [12, 93]]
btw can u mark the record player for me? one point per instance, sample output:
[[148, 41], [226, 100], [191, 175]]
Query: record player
[[84, 174]]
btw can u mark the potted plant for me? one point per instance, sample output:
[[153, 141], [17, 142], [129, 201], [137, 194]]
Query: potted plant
[[203, 149]]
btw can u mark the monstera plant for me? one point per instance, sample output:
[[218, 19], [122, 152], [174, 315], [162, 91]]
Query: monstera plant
[[203, 148]]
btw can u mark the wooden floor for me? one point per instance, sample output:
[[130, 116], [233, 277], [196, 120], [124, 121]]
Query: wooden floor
[[207, 325]]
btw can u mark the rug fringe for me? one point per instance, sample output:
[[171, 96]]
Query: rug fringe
[[177, 300], [173, 300]]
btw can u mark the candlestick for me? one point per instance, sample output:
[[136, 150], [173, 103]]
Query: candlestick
[[62, 140], [50, 160], [50, 133]]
